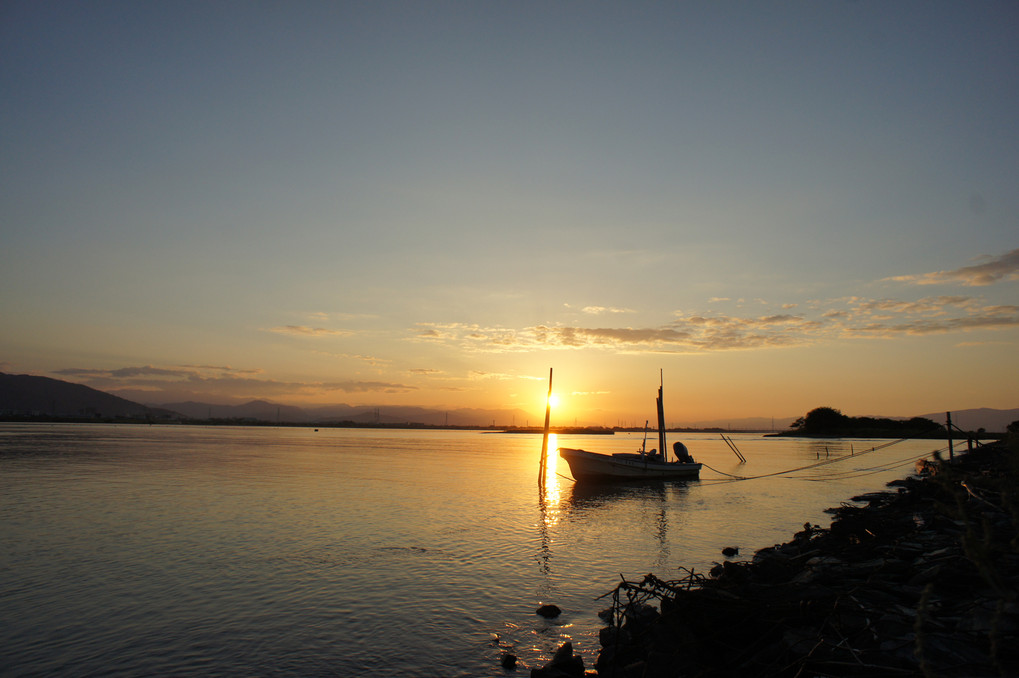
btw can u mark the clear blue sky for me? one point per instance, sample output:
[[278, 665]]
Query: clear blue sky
[[782, 205]]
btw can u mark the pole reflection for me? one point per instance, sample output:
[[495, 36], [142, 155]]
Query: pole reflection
[[549, 496], [562, 501]]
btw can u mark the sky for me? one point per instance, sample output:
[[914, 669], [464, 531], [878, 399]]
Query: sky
[[770, 206]]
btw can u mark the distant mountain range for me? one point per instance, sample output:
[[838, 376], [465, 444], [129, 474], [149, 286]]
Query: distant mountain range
[[25, 395], [995, 421], [22, 395]]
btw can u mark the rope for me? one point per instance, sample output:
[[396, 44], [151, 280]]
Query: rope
[[859, 473], [825, 462]]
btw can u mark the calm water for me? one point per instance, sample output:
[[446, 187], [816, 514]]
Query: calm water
[[171, 550]]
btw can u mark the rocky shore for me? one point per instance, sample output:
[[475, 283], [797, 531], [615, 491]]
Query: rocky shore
[[920, 580]]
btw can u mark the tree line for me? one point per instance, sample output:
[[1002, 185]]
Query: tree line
[[828, 421]]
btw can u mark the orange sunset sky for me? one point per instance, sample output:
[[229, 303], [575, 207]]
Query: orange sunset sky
[[782, 206]]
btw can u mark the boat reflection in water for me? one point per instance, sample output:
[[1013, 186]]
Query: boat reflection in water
[[566, 505]]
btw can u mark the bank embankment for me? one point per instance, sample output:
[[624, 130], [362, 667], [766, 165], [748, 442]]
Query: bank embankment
[[919, 580]]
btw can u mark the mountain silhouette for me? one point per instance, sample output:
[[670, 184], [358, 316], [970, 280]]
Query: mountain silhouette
[[29, 396], [23, 395], [995, 421]]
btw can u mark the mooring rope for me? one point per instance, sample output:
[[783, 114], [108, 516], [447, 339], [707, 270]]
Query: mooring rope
[[859, 473], [824, 462]]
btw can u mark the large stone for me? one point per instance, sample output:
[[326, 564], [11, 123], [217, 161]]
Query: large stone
[[548, 611], [564, 664]]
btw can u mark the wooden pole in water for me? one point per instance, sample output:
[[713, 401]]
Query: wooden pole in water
[[948, 426], [544, 439], [661, 418], [732, 446]]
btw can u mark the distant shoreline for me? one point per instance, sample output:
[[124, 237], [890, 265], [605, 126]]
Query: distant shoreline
[[533, 430]]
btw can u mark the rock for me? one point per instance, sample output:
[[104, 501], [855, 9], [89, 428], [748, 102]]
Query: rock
[[801, 639], [639, 615], [564, 664], [548, 611], [509, 661], [730, 551], [616, 662], [821, 562], [611, 635], [563, 654], [735, 573], [927, 575]]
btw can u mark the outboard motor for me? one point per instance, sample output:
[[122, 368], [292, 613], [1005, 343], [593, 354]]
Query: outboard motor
[[682, 454]]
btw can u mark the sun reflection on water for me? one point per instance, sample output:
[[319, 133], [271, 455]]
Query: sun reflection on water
[[550, 493]]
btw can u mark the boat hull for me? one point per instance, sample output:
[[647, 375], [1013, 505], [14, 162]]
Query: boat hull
[[593, 466]]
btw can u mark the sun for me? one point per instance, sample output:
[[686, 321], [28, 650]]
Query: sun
[[553, 400]]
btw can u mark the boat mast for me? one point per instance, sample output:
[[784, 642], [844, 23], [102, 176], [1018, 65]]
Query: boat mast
[[661, 419]]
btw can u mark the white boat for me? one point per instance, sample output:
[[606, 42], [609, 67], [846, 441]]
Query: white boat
[[640, 465], [589, 466]]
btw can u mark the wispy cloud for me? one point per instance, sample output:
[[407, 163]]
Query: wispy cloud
[[211, 379], [218, 382], [601, 310], [995, 269], [976, 317], [685, 334], [225, 369], [305, 331], [369, 359], [475, 375], [362, 387], [148, 372], [324, 317], [439, 332], [928, 305], [851, 317]]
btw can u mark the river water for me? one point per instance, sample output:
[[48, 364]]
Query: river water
[[181, 550]]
